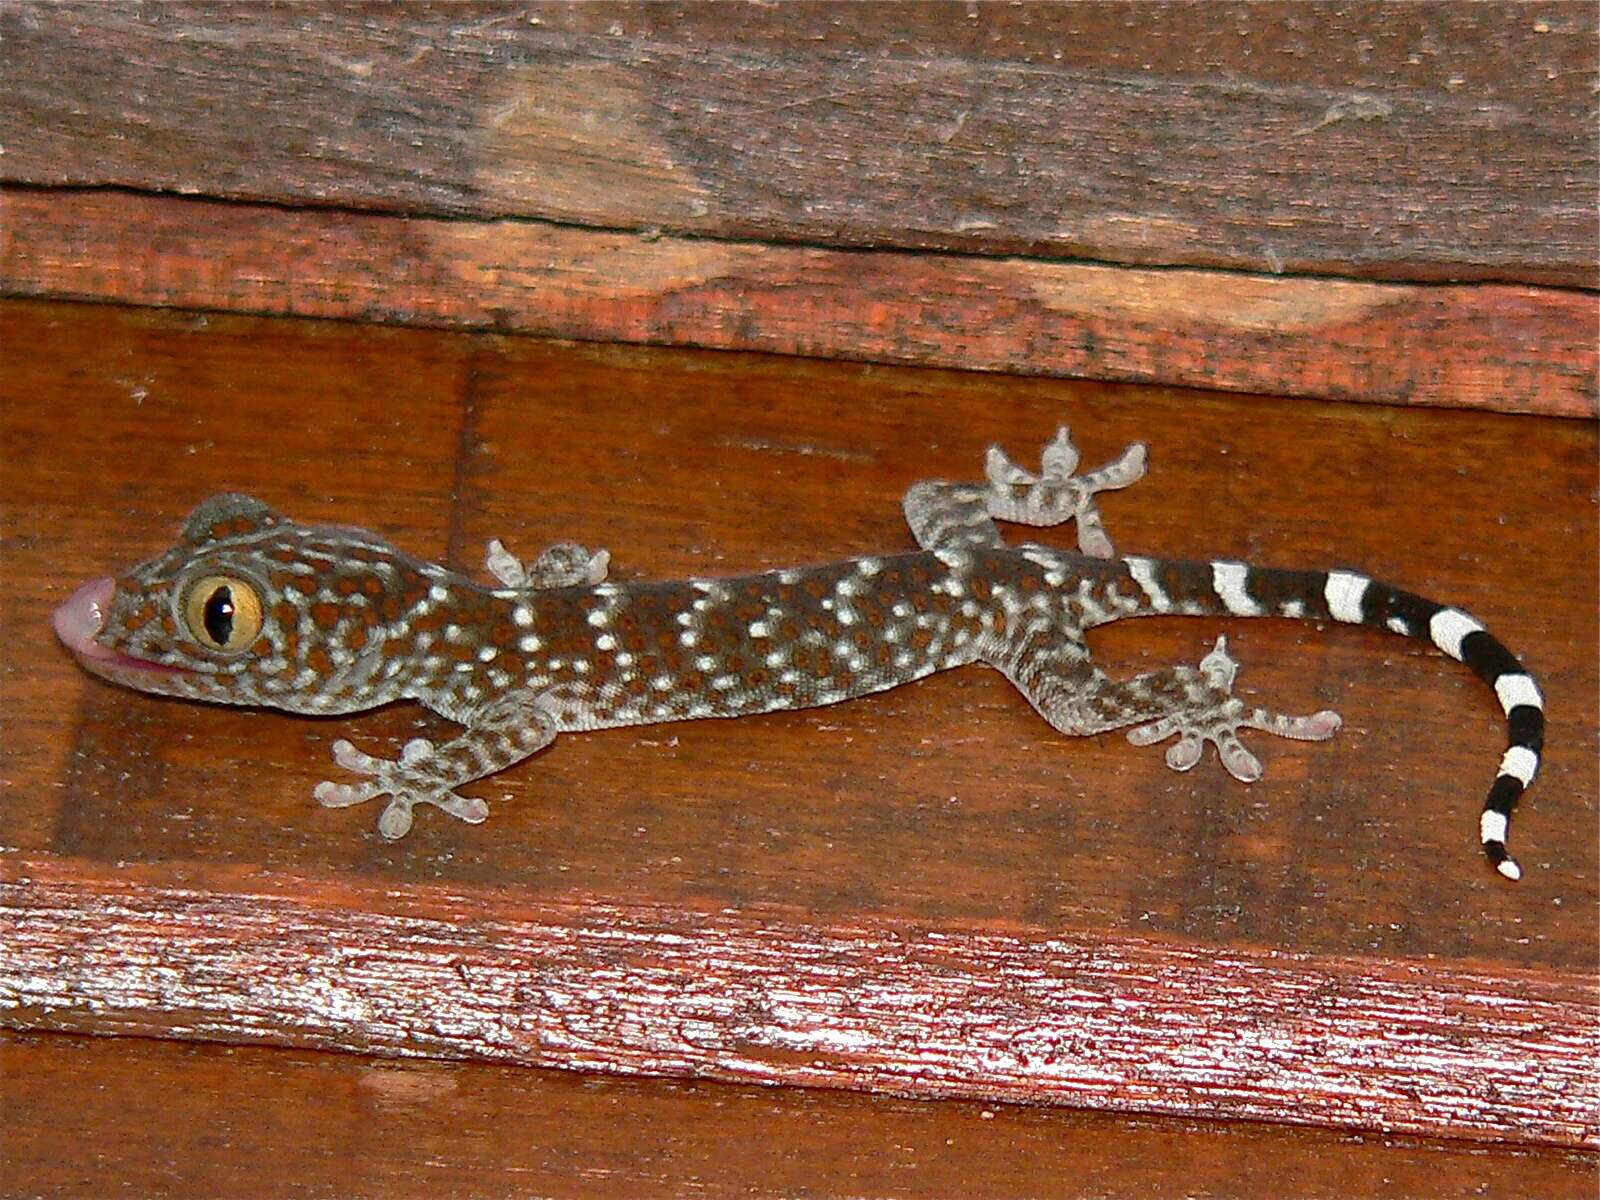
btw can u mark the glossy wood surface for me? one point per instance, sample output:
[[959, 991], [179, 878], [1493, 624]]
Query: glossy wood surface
[[1343, 896], [94, 1117]]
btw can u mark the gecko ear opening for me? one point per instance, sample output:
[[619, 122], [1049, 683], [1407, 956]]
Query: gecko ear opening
[[229, 514]]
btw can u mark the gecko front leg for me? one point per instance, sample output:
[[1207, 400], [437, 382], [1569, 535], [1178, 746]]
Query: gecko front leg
[[565, 564], [496, 737]]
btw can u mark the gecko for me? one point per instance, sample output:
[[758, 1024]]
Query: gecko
[[249, 607]]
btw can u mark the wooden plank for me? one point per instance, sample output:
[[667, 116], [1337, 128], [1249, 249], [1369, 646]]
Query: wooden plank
[[192, 1120], [942, 809], [1507, 348], [778, 997], [1432, 141]]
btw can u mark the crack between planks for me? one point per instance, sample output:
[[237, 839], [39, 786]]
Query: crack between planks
[[649, 233]]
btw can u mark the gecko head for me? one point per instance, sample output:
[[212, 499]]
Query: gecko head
[[247, 607]]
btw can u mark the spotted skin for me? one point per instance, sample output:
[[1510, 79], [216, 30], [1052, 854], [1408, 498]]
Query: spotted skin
[[249, 607]]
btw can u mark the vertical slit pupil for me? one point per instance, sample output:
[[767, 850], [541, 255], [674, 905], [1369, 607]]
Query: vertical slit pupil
[[219, 615]]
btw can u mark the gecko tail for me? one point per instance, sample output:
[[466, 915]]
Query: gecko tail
[[1237, 589]]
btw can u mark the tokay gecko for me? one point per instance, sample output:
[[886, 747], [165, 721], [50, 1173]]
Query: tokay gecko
[[250, 607]]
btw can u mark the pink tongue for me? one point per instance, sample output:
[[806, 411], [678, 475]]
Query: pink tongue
[[84, 615]]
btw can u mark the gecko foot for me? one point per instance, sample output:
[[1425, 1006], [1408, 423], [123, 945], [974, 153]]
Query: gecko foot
[[1056, 494], [407, 782], [1213, 714]]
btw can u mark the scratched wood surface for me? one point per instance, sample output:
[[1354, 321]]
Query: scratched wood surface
[[1506, 347], [275, 1123], [1437, 141], [1361, 201], [926, 892]]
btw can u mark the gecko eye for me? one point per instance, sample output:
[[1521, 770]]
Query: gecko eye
[[222, 612]]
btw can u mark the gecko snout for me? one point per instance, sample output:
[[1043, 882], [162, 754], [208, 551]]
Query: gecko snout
[[83, 616], [79, 623]]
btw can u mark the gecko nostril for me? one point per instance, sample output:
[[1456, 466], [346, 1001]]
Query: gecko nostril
[[84, 614]]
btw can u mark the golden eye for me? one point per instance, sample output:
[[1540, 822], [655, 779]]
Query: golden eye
[[222, 612]]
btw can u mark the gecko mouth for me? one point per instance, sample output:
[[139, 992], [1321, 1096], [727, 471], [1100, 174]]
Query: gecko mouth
[[79, 621]]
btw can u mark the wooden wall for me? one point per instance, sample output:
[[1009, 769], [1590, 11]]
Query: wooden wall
[[1356, 201]]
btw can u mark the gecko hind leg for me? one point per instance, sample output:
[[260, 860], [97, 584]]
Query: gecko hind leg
[[953, 516], [1196, 704], [565, 564]]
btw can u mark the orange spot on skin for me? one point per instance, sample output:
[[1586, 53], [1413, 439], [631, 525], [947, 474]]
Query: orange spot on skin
[[357, 638], [428, 622], [372, 585], [324, 615], [319, 661], [262, 648], [345, 586]]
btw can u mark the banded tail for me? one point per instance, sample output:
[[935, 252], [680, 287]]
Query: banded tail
[[1241, 590]]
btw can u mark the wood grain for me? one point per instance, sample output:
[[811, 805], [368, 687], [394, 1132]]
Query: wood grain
[[1344, 891], [1432, 141], [778, 997], [85, 1117], [1507, 348]]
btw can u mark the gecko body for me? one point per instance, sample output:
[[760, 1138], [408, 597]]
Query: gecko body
[[250, 607]]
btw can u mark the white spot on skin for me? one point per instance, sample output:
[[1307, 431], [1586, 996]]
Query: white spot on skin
[[598, 617], [522, 615], [1344, 592], [605, 642], [686, 638], [869, 566], [1448, 627], [528, 644], [1397, 625], [1228, 581], [487, 654], [1517, 689], [759, 629], [1492, 826], [438, 594]]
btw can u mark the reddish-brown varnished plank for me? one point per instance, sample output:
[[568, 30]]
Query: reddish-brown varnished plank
[[84, 1117], [944, 808]]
